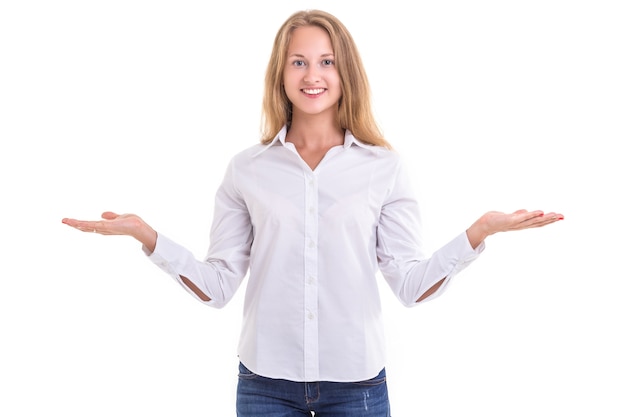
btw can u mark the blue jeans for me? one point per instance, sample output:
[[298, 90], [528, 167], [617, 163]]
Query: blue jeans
[[259, 396]]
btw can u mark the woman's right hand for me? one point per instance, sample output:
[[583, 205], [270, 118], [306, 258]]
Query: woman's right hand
[[118, 224]]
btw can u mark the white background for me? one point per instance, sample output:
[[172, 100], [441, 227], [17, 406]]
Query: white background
[[136, 106]]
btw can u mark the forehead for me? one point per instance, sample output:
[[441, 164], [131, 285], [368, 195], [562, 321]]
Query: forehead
[[311, 39]]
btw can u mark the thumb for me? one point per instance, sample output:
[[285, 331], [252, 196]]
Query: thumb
[[109, 215]]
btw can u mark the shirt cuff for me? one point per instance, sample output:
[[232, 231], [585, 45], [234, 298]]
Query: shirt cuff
[[461, 254], [175, 260]]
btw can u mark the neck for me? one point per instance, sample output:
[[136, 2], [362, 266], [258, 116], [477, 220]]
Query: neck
[[315, 133]]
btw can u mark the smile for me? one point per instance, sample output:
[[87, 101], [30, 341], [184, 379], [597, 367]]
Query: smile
[[313, 91]]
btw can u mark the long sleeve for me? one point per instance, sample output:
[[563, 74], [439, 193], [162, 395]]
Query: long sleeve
[[402, 261], [220, 274]]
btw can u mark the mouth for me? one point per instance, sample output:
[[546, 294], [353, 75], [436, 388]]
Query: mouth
[[313, 91]]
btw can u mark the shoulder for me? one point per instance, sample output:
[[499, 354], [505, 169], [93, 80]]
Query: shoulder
[[250, 152], [380, 154], [377, 151], [247, 155]]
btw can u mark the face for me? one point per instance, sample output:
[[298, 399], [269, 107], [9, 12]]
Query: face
[[310, 78]]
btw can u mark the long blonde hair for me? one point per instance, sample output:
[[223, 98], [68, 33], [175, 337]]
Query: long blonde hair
[[355, 109]]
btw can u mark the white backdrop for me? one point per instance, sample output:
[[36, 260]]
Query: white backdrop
[[136, 106]]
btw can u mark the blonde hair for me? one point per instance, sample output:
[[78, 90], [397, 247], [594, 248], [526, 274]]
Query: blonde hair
[[355, 109]]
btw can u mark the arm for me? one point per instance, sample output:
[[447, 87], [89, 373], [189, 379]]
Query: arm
[[130, 225], [493, 222]]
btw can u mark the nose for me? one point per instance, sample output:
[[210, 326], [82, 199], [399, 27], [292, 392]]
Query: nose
[[312, 75]]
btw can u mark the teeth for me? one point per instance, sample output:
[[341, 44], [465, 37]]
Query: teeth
[[313, 90]]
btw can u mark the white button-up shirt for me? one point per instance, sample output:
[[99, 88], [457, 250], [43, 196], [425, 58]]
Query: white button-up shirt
[[311, 243]]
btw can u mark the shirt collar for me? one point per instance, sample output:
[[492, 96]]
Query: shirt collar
[[348, 141]]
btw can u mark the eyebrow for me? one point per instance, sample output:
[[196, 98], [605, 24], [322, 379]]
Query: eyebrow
[[302, 56]]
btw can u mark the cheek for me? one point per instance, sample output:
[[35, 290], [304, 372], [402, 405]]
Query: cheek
[[336, 79], [337, 85], [288, 86], [291, 79]]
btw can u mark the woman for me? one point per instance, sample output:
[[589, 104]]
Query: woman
[[311, 215]]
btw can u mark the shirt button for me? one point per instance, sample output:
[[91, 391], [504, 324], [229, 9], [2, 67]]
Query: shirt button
[[310, 280], [311, 316]]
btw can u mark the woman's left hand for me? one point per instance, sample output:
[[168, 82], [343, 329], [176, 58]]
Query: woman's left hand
[[494, 221]]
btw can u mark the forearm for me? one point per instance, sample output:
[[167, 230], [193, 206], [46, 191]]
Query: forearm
[[477, 233], [431, 290], [145, 234], [425, 278], [195, 289], [214, 280]]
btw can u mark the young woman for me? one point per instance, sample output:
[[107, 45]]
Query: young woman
[[310, 215]]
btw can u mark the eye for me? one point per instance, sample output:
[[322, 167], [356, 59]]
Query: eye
[[298, 63], [328, 62]]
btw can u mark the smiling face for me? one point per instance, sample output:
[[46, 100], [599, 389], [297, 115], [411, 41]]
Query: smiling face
[[310, 78]]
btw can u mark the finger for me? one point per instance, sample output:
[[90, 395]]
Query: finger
[[72, 222], [548, 218], [109, 215], [558, 216], [540, 221], [82, 225], [524, 217], [551, 218]]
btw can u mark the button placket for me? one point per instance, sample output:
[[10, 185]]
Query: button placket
[[311, 343]]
